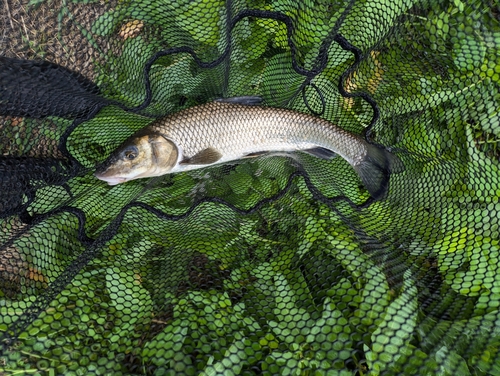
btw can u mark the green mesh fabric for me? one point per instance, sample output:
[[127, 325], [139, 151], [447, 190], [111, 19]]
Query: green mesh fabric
[[278, 265]]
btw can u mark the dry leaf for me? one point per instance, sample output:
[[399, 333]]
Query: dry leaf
[[35, 275], [15, 121], [131, 29], [371, 82]]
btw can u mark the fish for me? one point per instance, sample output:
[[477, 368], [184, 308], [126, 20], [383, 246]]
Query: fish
[[231, 129]]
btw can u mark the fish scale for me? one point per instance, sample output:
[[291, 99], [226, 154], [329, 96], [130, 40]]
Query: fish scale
[[236, 130]]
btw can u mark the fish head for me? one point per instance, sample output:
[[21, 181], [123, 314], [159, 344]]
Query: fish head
[[141, 156]]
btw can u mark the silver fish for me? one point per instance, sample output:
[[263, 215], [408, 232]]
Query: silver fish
[[224, 131]]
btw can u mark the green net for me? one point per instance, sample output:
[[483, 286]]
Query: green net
[[279, 264]]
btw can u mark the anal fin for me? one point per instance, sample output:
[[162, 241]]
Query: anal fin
[[320, 152], [205, 157], [256, 154], [317, 152]]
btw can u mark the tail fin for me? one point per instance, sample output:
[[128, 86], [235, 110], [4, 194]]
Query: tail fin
[[375, 170]]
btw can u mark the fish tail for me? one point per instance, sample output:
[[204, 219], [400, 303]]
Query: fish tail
[[375, 170]]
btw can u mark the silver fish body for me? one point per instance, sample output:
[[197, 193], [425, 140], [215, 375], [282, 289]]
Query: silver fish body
[[219, 132]]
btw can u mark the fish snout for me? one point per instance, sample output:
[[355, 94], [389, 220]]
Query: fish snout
[[102, 173]]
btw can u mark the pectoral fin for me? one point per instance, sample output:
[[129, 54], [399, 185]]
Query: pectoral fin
[[246, 100], [320, 152], [204, 157]]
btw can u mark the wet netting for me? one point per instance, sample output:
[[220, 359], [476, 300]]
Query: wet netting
[[279, 264]]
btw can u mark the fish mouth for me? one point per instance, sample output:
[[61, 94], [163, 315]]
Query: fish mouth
[[111, 180]]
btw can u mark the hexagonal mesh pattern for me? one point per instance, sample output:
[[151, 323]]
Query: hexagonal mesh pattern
[[281, 264]]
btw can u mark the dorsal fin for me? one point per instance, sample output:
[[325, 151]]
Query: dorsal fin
[[248, 100]]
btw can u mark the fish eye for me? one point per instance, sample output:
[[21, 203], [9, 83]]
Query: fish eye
[[130, 153]]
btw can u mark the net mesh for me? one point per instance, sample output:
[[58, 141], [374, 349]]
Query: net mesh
[[276, 265]]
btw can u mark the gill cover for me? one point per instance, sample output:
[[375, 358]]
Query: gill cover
[[164, 153]]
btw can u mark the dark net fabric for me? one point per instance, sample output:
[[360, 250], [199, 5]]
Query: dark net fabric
[[276, 265]]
